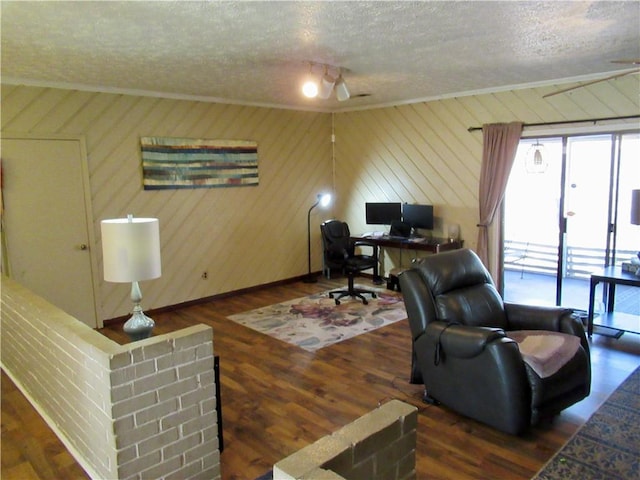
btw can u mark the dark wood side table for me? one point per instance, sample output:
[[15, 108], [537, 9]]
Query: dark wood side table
[[612, 276]]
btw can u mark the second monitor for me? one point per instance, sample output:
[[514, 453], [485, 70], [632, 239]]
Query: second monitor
[[418, 216]]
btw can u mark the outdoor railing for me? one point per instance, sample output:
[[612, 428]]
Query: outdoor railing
[[543, 258]]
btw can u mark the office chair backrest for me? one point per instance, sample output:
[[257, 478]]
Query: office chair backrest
[[336, 239], [336, 229]]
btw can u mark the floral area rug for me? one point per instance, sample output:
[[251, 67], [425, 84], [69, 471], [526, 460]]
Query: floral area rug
[[316, 322]]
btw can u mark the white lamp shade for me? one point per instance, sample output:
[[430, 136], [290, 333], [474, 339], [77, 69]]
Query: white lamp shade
[[635, 207], [131, 249], [326, 86], [342, 92]]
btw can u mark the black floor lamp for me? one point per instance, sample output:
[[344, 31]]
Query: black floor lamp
[[323, 199]]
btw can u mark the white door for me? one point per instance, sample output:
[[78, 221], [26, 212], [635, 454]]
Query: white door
[[45, 223]]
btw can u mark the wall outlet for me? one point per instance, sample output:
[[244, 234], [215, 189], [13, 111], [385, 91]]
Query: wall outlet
[[205, 275]]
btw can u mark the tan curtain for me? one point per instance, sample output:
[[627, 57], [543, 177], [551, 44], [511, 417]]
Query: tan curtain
[[500, 143]]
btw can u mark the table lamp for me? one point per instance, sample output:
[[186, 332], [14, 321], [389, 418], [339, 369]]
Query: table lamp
[[131, 253]]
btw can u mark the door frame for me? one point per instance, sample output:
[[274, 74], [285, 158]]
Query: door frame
[[86, 189]]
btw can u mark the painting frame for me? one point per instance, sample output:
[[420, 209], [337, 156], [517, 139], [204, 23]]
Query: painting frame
[[188, 163]]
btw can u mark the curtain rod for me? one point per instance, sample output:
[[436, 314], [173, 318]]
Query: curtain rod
[[565, 122]]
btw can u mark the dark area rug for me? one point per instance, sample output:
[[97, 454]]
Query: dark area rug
[[607, 446]]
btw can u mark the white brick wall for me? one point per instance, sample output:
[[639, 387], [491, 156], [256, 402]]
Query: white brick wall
[[142, 410]]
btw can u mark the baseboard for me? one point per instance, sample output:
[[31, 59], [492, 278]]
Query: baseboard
[[169, 308]]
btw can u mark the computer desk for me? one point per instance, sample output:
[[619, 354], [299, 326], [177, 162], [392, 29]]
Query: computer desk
[[423, 244], [416, 244]]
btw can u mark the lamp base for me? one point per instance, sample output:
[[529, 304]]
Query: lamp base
[[139, 326]]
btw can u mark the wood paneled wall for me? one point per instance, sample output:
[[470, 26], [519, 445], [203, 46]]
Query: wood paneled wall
[[242, 236], [424, 153], [249, 236]]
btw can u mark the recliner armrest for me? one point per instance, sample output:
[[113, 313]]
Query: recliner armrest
[[572, 325], [535, 317], [555, 319], [462, 341]]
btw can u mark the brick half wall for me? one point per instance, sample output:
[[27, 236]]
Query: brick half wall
[[380, 445], [142, 410]]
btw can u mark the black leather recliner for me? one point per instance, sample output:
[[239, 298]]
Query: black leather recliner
[[463, 354]]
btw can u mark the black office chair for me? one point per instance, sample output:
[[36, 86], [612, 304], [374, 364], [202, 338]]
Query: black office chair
[[339, 252]]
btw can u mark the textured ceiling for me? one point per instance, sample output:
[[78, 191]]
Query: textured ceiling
[[258, 52]]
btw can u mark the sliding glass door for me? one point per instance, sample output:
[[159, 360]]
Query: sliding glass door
[[532, 208], [567, 214]]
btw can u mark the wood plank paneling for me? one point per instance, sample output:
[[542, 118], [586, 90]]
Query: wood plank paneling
[[241, 236], [423, 152], [250, 236]]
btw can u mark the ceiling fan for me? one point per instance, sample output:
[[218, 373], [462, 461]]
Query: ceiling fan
[[611, 77]]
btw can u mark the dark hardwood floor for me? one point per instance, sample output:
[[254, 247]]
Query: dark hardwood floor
[[277, 398]]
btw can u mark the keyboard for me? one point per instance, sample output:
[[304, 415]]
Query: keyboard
[[396, 237]]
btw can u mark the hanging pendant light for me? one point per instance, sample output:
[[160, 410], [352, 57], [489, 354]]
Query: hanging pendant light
[[535, 161]]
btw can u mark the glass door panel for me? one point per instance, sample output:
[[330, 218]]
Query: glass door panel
[[586, 212], [627, 238], [532, 209], [627, 235]]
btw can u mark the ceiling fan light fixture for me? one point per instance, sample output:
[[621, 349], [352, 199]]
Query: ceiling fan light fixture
[[326, 86], [322, 86], [342, 92], [310, 89], [310, 85]]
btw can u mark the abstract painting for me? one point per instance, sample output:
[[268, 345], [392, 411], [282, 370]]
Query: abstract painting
[[180, 163]]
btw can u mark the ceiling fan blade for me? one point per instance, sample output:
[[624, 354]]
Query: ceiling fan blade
[[627, 61], [618, 75]]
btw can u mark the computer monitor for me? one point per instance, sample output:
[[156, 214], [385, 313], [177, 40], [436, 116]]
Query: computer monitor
[[418, 216], [382, 213]]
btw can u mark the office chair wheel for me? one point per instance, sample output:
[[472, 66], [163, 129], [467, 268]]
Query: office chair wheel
[[337, 301], [364, 302]]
